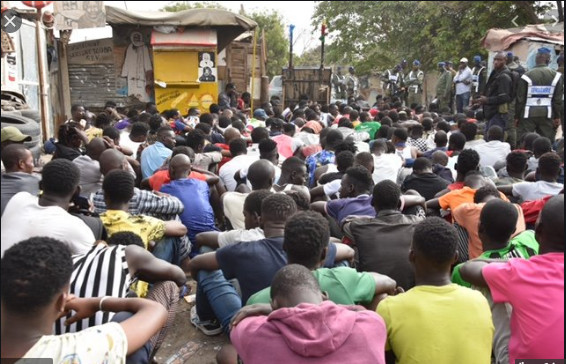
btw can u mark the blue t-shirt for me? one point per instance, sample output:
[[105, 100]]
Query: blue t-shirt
[[198, 215], [341, 208], [253, 263], [153, 157]]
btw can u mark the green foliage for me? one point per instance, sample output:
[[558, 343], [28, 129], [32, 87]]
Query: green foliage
[[310, 57], [277, 43], [376, 35]]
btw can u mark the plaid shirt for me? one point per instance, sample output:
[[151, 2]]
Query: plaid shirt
[[420, 144], [145, 203]]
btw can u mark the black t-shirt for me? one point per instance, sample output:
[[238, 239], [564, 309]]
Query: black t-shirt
[[427, 184], [329, 177], [63, 151]]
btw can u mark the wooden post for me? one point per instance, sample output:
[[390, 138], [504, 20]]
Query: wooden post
[[264, 95], [43, 101], [65, 36], [254, 52]]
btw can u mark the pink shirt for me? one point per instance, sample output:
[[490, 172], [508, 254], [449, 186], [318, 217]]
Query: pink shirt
[[535, 289]]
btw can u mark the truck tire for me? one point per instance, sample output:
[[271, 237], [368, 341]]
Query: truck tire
[[31, 114], [26, 126]]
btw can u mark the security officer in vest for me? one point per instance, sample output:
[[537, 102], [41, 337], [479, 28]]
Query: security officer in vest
[[414, 84], [539, 98], [339, 84], [352, 83], [479, 77], [444, 88], [391, 80]]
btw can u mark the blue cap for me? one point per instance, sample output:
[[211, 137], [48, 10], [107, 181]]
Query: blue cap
[[260, 113], [509, 54], [477, 58], [441, 64], [416, 62], [544, 50]]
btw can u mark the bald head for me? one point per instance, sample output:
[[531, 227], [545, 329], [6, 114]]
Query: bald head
[[261, 174], [179, 167], [110, 160], [549, 229], [231, 134], [95, 148]]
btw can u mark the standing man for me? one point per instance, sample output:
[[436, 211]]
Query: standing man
[[392, 81], [479, 77], [516, 72], [443, 87], [463, 82], [497, 94], [352, 83], [539, 98], [414, 84], [229, 98], [338, 84]]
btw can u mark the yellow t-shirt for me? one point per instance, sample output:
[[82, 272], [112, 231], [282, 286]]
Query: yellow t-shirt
[[148, 228], [93, 132], [442, 325]]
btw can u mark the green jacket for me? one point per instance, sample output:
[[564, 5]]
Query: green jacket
[[444, 85], [540, 76]]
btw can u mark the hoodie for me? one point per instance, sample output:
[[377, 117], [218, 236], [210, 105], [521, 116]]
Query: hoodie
[[307, 333]]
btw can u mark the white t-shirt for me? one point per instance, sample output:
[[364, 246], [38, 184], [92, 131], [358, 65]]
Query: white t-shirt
[[492, 152], [530, 191], [473, 143], [231, 237], [23, 218], [226, 173], [386, 166], [233, 204], [125, 141], [96, 345]]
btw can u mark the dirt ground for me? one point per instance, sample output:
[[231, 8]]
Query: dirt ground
[[184, 343]]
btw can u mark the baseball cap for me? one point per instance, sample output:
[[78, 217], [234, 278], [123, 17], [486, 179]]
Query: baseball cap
[[464, 60], [416, 62], [544, 50], [477, 58], [260, 113], [13, 134]]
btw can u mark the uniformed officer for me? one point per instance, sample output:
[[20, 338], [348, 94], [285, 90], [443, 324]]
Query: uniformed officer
[[392, 81], [338, 84], [444, 87], [539, 98], [414, 84], [479, 77], [352, 83]]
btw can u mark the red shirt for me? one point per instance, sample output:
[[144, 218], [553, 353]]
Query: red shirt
[[162, 177]]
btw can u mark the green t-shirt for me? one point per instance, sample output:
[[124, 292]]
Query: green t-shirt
[[344, 286], [371, 127], [523, 246]]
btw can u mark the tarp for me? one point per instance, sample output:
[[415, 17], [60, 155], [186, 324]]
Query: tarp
[[502, 39], [228, 25]]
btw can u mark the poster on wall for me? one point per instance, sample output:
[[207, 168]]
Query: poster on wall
[[206, 67], [79, 14]]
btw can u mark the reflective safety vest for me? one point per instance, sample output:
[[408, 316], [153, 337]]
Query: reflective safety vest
[[392, 77], [414, 76], [540, 95], [476, 79]]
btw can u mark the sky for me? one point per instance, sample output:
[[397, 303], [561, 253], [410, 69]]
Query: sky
[[297, 13]]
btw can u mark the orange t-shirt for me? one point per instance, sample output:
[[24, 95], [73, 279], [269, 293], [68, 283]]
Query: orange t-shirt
[[455, 198], [467, 216], [161, 178]]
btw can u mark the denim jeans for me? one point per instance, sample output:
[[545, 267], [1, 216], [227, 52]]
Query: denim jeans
[[216, 297], [167, 250], [462, 100], [140, 356], [499, 120]]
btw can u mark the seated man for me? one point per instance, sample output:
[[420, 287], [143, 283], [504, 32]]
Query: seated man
[[423, 180], [198, 215], [27, 216], [495, 150], [18, 161], [383, 242], [253, 263], [299, 315], [251, 231], [240, 160], [548, 171], [467, 215], [355, 199], [153, 156], [533, 287], [306, 243], [411, 333], [261, 175], [91, 178], [143, 202], [118, 190], [35, 279]]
